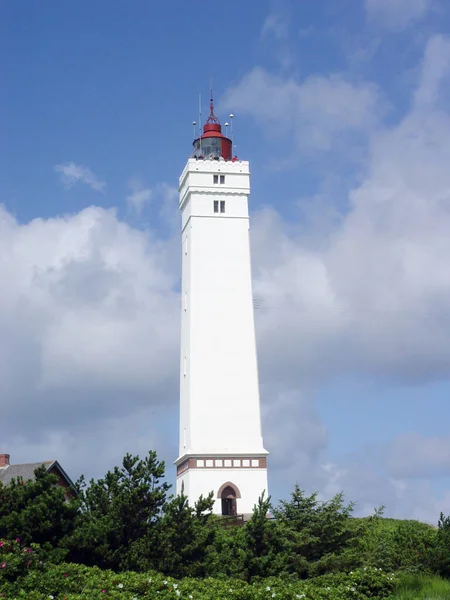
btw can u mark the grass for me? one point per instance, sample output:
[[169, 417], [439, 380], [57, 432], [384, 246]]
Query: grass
[[423, 587]]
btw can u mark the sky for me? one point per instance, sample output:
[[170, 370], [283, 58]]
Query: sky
[[342, 109]]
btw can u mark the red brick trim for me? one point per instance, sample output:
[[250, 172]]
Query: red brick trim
[[217, 462]]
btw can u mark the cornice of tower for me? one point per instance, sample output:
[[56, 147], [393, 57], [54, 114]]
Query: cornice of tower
[[194, 165]]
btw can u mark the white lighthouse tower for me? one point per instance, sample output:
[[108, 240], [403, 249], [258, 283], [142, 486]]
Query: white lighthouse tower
[[221, 446]]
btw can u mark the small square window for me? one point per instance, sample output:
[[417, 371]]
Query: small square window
[[222, 179], [216, 179], [216, 206], [222, 206]]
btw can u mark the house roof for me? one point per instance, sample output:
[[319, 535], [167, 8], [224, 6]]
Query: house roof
[[26, 471]]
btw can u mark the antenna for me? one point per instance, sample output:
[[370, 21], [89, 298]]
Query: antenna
[[232, 137], [226, 129], [212, 117], [194, 123], [200, 120]]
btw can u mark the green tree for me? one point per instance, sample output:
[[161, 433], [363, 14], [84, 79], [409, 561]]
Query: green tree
[[185, 534], [117, 511], [225, 558], [377, 541], [262, 543], [36, 511], [319, 537], [441, 553]]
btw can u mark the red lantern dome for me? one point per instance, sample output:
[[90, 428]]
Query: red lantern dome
[[212, 144]]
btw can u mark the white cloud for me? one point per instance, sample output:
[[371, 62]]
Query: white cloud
[[315, 113], [372, 296], [275, 25], [433, 88], [397, 13], [414, 455], [89, 316], [365, 483], [71, 173], [162, 196], [369, 297], [139, 197]]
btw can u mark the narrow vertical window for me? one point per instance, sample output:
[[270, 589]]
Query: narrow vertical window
[[185, 300], [216, 206], [222, 179], [216, 179], [222, 206]]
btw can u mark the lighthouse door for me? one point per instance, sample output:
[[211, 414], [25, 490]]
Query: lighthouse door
[[228, 497]]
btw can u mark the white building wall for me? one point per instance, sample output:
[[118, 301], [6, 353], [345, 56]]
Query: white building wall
[[219, 392], [251, 483]]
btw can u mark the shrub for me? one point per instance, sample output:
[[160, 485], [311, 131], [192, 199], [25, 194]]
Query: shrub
[[17, 560], [77, 582], [441, 552]]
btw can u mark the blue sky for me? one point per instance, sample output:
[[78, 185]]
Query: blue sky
[[342, 110]]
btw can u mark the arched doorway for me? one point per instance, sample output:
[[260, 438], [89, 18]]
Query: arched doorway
[[228, 495]]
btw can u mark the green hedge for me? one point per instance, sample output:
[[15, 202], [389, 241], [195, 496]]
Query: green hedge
[[24, 575]]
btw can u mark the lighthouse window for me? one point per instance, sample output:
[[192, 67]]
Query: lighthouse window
[[216, 206], [208, 148], [216, 179], [222, 206], [222, 179]]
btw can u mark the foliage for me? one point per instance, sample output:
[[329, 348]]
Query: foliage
[[37, 511], [17, 559], [441, 554], [263, 546], [413, 546], [117, 511], [125, 522], [319, 537], [77, 582], [397, 545], [179, 544], [225, 557]]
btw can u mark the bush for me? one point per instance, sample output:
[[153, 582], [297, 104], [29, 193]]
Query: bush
[[17, 560], [441, 553], [77, 582], [397, 545]]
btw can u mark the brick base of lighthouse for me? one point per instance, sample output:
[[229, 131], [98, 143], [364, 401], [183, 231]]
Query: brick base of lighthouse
[[236, 482]]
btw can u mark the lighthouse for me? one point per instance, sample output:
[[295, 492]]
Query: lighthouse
[[221, 446]]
